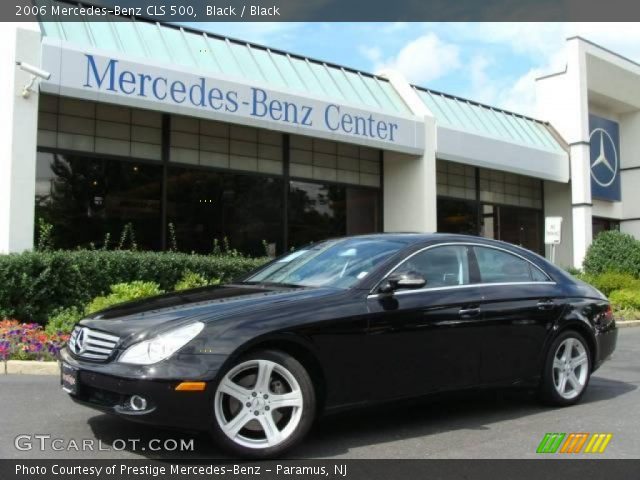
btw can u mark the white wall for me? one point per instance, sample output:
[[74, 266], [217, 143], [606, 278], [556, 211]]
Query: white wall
[[557, 203], [18, 127]]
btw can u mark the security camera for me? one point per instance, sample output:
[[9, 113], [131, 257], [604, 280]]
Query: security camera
[[35, 73], [38, 72]]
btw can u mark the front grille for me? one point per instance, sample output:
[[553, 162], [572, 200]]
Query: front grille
[[91, 344]]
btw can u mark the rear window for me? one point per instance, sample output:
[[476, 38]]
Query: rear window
[[499, 266]]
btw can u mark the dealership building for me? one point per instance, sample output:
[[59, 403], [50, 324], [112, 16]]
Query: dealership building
[[182, 137]]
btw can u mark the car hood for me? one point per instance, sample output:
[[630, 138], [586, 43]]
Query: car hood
[[151, 315]]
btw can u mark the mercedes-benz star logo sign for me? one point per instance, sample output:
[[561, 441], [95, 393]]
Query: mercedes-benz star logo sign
[[605, 175], [80, 341]]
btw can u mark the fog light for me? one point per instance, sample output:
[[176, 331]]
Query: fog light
[[137, 403]]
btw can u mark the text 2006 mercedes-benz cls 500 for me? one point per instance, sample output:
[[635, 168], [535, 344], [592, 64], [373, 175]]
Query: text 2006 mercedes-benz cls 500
[[340, 324]]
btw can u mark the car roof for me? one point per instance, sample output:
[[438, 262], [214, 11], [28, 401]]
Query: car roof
[[410, 238]]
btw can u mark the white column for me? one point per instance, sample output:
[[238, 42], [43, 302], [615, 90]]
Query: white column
[[578, 138], [581, 201], [410, 195], [563, 100], [19, 130]]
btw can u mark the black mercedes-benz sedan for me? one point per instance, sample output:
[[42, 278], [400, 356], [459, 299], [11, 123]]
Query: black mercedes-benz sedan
[[340, 324]]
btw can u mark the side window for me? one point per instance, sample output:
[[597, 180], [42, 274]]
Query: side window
[[498, 266], [440, 266]]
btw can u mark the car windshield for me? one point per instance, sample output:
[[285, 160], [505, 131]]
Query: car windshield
[[335, 263]]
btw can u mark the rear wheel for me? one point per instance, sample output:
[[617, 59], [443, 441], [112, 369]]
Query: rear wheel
[[567, 370], [263, 405]]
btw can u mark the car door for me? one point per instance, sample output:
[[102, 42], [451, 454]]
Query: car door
[[425, 340], [520, 303]]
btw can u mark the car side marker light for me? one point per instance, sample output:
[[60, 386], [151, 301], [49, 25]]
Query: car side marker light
[[191, 387]]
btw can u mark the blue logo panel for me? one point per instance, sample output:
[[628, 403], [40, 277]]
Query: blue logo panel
[[604, 141]]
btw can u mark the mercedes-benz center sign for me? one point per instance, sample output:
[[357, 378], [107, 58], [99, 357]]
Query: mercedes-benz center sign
[[95, 75]]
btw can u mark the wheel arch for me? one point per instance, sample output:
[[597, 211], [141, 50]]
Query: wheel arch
[[294, 345], [584, 329]]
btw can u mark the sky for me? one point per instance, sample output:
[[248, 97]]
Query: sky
[[494, 63]]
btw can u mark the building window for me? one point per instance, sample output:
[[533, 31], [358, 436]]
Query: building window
[[457, 216], [510, 189], [80, 125], [318, 211], [102, 167], [328, 161], [505, 207], [601, 224], [456, 180], [520, 226], [206, 205], [224, 146], [89, 200]]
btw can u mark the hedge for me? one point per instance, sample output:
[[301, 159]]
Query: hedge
[[612, 251], [35, 284], [611, 281]]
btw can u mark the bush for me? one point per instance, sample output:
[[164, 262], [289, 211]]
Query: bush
[[123, 292], [612, 251], [626, 299], [194, 280], [610, 281], [33, 285], [576, 272], [63, 320]]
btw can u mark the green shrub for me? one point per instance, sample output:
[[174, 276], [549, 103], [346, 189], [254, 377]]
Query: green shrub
[[35, 284], [123, 292], [625, 299], [194, 280], [576, 272], [63, 320], [612, 251], [611, 281]]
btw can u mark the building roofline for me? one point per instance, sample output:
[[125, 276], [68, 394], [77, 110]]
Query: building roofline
[[550, 75], [238, 41], [480, 104], [604, 49]]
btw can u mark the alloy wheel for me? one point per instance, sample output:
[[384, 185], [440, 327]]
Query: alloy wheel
[[258, 404], [570, 368]]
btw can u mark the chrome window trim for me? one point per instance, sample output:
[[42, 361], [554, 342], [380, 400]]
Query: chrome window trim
[[457, 287], [483, 284]]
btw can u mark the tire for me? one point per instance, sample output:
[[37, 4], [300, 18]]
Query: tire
[[247, 419], [566, 373]]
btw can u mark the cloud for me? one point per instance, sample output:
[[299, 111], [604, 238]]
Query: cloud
[[424, 59], [373, 54], [515, 92]]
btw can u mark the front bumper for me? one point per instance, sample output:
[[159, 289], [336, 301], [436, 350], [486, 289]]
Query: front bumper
[[108, 387]]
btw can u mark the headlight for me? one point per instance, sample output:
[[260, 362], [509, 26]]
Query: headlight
[[162, 346]]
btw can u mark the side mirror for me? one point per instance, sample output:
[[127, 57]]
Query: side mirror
[[397, 281]]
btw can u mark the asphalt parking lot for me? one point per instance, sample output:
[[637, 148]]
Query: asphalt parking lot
[[478, 425]]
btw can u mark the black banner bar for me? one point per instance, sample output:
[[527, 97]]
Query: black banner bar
[[534, 469], [321, 10]]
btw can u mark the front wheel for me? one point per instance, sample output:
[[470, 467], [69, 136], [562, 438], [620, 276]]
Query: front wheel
[[567, 370], [263, 405]]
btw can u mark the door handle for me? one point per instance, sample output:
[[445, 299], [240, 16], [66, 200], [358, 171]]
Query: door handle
[[469, 312], [546, 304]]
